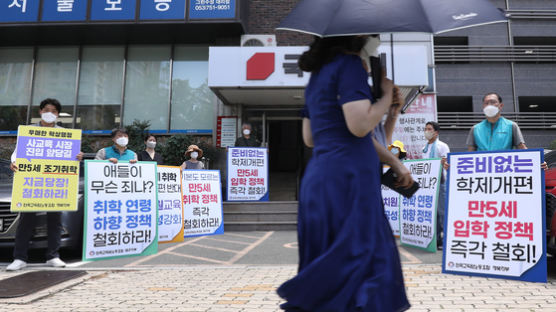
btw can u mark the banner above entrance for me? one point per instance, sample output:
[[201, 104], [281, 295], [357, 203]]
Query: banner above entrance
[[270, 75]]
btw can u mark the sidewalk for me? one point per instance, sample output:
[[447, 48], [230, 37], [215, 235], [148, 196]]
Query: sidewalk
[[240, 288]]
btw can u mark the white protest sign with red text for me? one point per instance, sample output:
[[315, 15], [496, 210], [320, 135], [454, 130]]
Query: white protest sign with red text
[[495, 215]]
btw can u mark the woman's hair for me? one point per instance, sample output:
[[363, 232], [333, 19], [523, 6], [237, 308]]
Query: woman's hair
[[323, 51], [147, 136]]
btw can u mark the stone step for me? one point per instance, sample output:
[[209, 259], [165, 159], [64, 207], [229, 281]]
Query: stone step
[[260, 216], [265, 216], [270, 206], [259, 226]]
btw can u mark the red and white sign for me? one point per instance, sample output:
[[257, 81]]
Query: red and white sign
[[226, 131], [276, 67], [494, 220]]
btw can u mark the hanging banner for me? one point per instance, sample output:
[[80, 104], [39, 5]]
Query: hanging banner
[[202, 201], [418, 213], [121, 210], [410, 128], [495, 217], [47, 178], [170, 204], [391, 200], [247, 174]]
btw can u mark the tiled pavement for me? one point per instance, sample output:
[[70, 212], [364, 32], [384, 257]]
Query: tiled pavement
[[243, 288]]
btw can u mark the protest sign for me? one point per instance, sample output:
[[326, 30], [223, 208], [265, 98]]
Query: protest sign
[[418, 213], [391, 200], [202, 201], [247, 174], [170, 205], [120, 209], [495, 222], [47, 178]]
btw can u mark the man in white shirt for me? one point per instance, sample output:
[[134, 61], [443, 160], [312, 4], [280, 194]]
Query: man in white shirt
[[437, 149]]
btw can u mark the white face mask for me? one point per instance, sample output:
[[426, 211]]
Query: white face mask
[[48, 117], [429, 135], [194, 155], [246, 131], [490, 111], [122, 141], [151, 144], [370, 49], [395, 150]]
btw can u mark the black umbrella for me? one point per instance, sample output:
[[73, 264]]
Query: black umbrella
[[327, 18]]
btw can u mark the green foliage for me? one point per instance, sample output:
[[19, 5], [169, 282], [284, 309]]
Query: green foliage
[[87, 144], [137, 131], [552, 145], [174, 149]]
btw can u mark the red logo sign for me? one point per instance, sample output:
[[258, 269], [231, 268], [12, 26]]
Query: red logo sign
[[260, 66]]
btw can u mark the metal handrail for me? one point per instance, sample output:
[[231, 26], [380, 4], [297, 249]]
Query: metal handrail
[[530, 121], [458, 53]]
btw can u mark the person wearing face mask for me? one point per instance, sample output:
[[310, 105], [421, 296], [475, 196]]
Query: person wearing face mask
[[49, 110], [194, 153], [348, 258], [495, 132], [119, 150], [149, 154], [437, 149], [397, 149], [247, 139]]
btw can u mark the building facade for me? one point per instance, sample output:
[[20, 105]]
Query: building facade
[[111, 62]]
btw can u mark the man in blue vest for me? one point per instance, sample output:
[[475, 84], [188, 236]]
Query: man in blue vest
[[119, 150], [495, 132]]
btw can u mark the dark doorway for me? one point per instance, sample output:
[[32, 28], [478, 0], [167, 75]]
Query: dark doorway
[[286, 159]]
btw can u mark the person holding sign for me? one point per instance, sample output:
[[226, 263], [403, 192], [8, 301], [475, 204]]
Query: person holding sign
[[495, 132], [49, 110], [119, 150], [437, 149], [246, 139], [149, 154], [348, 259], [193, 153]]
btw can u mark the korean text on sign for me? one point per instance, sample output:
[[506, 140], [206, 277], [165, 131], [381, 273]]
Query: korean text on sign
[[170, 205], [247, 174], [202, 201], [47, 178], [121, 211], [495, 215], [418, 213]]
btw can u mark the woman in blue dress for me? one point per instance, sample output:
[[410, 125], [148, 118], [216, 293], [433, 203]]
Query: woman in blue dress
[[348, 258]]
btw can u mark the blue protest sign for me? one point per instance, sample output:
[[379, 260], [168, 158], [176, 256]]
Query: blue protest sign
[[212, 9], [112, 10], [64, 10], [162, 9], [19, 11]]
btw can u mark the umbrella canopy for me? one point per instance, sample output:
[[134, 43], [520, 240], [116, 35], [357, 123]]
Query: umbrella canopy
[[328, 18]]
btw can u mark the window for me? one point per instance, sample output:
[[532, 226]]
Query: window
[[100, 88], [147, 86], [537, 103], [534, 41], [16, 66], [455, 103], [192, 100], [438, 41], [55, 75]]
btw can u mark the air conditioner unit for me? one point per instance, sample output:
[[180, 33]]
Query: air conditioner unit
[[258, 40]]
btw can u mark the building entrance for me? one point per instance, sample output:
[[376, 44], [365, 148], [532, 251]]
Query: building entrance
[[287, 153]]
